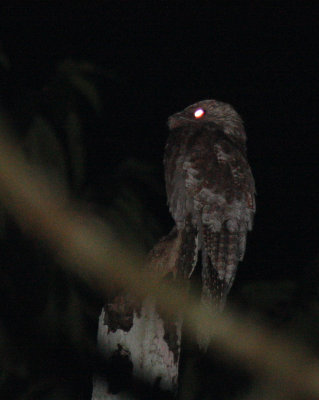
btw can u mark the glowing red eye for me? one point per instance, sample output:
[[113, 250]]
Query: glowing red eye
[[199, 113]]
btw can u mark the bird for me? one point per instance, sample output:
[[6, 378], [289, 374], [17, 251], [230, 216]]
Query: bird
[[211, 193]]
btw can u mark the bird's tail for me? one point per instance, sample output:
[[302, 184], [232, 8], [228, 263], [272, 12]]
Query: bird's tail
[[221, 252]]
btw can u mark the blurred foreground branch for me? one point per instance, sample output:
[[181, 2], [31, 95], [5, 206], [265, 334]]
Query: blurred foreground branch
[[93, 251]]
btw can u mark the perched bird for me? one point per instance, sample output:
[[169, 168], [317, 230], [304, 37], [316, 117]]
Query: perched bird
[[211, 193]]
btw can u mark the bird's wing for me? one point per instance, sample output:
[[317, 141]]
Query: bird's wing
[[219, 181], [209, 183], [174, 159]]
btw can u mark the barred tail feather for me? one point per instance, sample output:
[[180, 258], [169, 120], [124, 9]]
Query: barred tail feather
[[220, 256]]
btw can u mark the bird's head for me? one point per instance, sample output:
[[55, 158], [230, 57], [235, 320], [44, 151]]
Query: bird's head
[[218, 112]]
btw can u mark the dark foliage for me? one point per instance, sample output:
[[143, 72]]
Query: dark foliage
[[99, 132]]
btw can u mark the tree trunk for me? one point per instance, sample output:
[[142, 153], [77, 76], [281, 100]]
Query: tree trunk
[[135, 337], [139, 344]]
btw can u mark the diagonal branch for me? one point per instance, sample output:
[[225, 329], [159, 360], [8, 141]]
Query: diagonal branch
[[93, 252]]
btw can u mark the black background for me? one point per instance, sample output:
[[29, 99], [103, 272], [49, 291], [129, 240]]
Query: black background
[[163, 56], [166, 55]]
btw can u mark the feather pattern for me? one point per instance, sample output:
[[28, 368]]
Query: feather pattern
[[210, 188]]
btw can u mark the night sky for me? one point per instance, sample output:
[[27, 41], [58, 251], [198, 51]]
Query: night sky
[[164, 56]]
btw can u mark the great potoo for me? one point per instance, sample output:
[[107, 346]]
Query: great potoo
[[211, 192]]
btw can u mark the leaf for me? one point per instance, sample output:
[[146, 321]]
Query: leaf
[[73, 129], [135, 192], [44, 149], [74, 73], [71, 67], [87, 89]]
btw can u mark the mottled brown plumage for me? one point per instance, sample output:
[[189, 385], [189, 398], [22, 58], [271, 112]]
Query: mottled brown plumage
[[210, 191]]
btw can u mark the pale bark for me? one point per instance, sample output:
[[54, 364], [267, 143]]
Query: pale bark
[[138, 333], [151, 346]]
